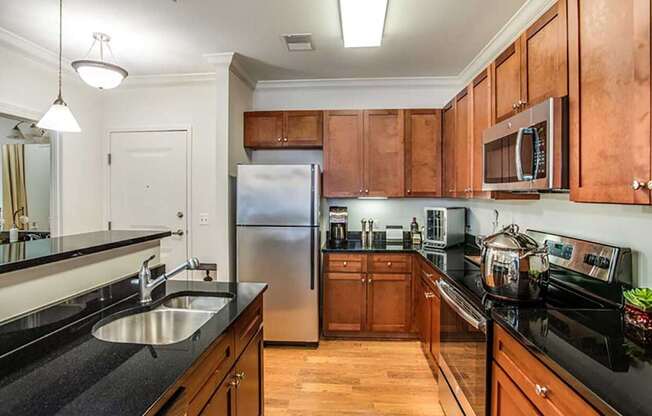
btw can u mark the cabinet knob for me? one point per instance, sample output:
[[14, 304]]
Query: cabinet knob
[[541, 391], [285, 139], [280, 139], [363, 280], [360, 191], [649, 185], [240, 375], [235, 382], [409, 191], [366, 191], [344, 263], [514, 106], [389, 264], [636, 185], [369, 280]]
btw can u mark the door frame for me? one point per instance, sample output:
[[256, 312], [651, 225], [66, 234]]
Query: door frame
[[106, 147]]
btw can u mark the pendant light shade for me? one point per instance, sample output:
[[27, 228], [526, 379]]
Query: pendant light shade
[[59, 117], [99, 73]]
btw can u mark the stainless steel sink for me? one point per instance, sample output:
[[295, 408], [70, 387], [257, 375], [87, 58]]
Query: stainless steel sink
[[199, 303], [159, 326]]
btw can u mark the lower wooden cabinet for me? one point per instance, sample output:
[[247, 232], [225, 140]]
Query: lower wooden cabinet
[[507, 399], [225, 380], [373, 299], [428, 307]]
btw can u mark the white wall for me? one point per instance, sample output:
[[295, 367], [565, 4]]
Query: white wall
[[30, 86], [179, 105]]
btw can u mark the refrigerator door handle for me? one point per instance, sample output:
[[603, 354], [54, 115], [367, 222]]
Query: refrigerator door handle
[[312, 259]]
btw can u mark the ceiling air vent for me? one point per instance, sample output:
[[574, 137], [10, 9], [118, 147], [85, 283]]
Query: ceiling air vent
[[298, 42]]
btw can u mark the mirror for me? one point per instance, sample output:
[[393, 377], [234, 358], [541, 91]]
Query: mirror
[[25, 168]]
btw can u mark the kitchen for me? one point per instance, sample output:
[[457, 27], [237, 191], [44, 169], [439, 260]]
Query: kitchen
[[263, 156]]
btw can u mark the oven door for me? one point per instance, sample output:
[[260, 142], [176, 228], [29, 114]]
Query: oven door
[[463, 357]]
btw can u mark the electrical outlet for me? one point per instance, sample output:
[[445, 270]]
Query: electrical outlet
[[203, 219]]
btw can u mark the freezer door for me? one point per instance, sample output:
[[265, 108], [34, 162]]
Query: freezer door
[[278, 195], [287, 259]]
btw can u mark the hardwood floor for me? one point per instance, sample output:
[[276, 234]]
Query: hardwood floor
[[350, 378]]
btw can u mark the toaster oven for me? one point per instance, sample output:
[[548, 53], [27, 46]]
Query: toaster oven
[[445, 227]]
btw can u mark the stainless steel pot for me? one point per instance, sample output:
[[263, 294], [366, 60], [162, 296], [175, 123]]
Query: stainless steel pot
[[514, 267]]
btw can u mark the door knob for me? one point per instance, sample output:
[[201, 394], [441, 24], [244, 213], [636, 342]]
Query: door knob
[[178, 232], [179, 214]]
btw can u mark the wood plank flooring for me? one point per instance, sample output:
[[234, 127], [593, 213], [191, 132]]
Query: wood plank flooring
[[350, 378]]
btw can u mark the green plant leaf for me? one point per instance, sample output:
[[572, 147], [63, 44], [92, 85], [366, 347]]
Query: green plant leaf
[[639, 297]]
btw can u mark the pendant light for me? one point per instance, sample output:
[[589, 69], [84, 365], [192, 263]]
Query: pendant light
[[100, 74], [59, 118]]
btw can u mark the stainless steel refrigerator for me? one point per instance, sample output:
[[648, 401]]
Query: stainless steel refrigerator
[[277, 238]]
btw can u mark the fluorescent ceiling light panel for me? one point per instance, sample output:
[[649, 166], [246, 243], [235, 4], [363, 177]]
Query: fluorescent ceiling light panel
[[363, 22]]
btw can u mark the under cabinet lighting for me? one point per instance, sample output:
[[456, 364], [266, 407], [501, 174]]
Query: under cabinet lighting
[[363, 22]]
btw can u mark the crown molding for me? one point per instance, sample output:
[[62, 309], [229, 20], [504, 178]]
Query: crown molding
[[135, 81], [387, 82], [520, 21], [20, 112], [233, 62]]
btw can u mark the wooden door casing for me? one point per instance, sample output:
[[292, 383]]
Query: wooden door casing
[[345, 302], [263, 129], [609, 96], [389, 302], [462, 144], [383, 153], [448, 149], [506, 76], [423, 164], [303, 129], [506, 398], [343, 154], [545, 56]]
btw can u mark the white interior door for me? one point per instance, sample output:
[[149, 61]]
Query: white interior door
[[148, 187]]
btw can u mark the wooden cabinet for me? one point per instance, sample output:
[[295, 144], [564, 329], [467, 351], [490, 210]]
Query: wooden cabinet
[[506, 74], [506, 398], [463, 186], [283, 129], [423, 153], [481, 120], [227, 379], [545, 391], [343, 154], [534, 67], [383, 153], [428, 311], [448, 149], [609, 91], [367, 295]]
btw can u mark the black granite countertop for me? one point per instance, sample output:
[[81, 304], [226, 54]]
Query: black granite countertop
[[590, 350], [70, 372], [378, 246], [24, 254]]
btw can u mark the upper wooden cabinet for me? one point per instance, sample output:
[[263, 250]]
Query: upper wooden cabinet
[[463, 186], [534, 67], [343, 154], [383, 153], [448, 149], [423, 168], [609, 80], [289, 129], [363, 153], [480, 91]]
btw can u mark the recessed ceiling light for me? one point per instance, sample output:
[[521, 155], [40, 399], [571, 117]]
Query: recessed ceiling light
[[363, 22], [298, 42]]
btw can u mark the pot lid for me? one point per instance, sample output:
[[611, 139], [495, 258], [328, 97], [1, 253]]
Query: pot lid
[[509, 238]]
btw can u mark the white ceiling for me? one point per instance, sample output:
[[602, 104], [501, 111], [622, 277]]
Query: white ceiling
[[422, 37]]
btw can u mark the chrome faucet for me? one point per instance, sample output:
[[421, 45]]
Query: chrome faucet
[[145, 275]]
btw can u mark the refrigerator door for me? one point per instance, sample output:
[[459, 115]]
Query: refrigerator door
[[287, 259], [278, 195]]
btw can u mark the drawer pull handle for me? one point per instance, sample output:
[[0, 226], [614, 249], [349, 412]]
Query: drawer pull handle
[[429, 295], [541, 391], [240, 376], [235, 382]]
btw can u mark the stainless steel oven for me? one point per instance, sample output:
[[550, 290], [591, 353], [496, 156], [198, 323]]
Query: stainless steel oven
[[464, 355], [529, 151]]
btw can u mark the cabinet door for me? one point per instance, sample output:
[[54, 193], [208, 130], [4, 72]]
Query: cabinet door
[[448, 143], [423, 153], [263, 129], [462, 141], [609, 91], [344, 302], [506, 398], [303, 129], [435, 334], [383, 153], [424, 311], [343, 154], [481, 98], [223, 401], [545, 56], [506, 70], [249, 373], [388, 303]]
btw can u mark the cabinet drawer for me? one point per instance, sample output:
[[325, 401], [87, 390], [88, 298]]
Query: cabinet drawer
[[391, 263], [345, 263], [531, 375], [209, 372], [248, 325]]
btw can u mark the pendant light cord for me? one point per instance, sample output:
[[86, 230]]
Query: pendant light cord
[[60, 41]]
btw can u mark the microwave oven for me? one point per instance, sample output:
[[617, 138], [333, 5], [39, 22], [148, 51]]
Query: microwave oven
[[445, 227], [528, 151]]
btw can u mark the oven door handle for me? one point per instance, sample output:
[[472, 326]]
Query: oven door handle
[[478, 323]]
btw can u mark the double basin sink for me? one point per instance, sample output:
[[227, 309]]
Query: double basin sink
[[175, 320]]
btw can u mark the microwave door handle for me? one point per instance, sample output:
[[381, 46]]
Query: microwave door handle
[[537, 159], [518, 159]]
